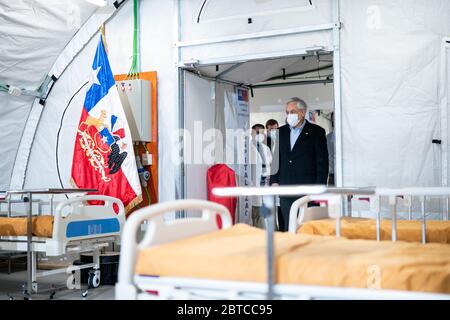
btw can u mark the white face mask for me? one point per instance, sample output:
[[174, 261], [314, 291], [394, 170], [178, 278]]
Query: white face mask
[[292, 119], [272, 134], [259, 138]]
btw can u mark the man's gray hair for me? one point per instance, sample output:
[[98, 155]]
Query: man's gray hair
[[301, 104]]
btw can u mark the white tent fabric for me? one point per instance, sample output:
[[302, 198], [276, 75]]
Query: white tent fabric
[[253, 72], [44, 151], [231, 22], [391, 59], [14, 114], [77, 43], [225, 18], [32, 35]]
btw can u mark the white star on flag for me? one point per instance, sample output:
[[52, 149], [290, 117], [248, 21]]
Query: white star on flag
[[93, 77], [105, 139]]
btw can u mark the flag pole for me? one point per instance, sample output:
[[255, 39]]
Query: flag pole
[[102, 31]]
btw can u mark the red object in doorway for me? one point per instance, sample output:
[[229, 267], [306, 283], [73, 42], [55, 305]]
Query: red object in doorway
[[220, 175]]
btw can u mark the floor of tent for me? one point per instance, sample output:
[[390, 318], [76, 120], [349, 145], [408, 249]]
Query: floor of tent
[[11, 285]]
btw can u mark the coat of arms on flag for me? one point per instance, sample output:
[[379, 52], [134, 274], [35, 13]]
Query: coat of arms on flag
[[103, 154]]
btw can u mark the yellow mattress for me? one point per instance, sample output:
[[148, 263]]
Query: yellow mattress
[[239, 254], [362, 228], [42, 226]]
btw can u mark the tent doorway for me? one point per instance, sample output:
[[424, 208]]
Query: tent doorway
[[214, 98]]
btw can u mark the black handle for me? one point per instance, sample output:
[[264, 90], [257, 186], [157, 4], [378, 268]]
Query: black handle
[[437, 141]]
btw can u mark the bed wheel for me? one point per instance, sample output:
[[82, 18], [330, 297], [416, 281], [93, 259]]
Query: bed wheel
[[94, 279], [84, 294]]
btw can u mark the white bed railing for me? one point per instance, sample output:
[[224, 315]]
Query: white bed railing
[[269, 195], [74, 210], [160, 231], [300, 213]]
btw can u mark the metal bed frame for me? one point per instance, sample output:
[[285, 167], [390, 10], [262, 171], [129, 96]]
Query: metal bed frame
[[299, 207], [9, 202], [9, 256], [93, 242], [131, 286]]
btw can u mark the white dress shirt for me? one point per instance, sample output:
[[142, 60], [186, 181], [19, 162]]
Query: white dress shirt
[[295, 133]]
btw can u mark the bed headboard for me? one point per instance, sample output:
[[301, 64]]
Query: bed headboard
[[160, 230], [299, 212]]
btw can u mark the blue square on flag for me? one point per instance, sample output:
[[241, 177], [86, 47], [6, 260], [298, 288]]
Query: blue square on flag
[[107, 137]]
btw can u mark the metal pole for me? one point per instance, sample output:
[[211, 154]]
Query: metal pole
[[270, 245], [424, 235], [9, 207], [447, 207], [337, 94], [33, 272], [393, 202], [51, 204], [179, 102], [338, 218], [349, 208], [410, 208], [379, 219], [29, 246], [291, 83]]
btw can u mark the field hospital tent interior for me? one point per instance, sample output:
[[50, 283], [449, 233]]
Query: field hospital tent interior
[[376, 73]]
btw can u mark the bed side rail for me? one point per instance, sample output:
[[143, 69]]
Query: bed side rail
[[299, 212], [299, 207], [160, 231]]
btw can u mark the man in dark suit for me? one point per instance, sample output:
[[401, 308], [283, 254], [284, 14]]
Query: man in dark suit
[[302, 155]]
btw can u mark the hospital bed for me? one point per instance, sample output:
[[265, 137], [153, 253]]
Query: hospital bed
[[177, 259], [74, 227], [326, 220]]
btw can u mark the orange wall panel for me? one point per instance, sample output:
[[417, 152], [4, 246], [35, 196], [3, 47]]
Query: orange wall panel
[[152, 146]]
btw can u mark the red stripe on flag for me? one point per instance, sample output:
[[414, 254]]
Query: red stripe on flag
[[120, 133]]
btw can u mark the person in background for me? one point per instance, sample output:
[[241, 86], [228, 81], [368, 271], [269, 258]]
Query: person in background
[[330, 147], [261, 159], [271, 129], [302, 155], [272, 133]]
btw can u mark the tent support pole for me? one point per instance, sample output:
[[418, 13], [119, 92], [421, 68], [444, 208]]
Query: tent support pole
[[337, 101], [445, 51], [237, 65], [291, 83], [180, 181]]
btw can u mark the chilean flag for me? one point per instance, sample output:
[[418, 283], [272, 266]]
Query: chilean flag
[[103, 156]]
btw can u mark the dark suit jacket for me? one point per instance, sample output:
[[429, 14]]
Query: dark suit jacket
[[269, 142], [307, 163]]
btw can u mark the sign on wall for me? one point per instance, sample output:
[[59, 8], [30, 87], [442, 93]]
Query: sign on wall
[[244, 171]]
